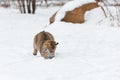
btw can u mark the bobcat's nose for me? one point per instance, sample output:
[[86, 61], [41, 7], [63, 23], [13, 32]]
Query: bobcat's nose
[[51, 57]]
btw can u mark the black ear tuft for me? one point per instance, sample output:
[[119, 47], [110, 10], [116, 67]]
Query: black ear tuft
[[57, 43]]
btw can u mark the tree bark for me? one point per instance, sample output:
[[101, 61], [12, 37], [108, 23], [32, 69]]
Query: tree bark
[[23, 5], [33, 6], [30, 6], [20, 6]]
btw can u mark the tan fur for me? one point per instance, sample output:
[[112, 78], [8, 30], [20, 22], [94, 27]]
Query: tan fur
[[44, 42], [76, 15], [52, 19]]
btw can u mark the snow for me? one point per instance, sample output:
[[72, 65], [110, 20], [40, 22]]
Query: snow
[[70, 6], [98, 15], [89, 51]]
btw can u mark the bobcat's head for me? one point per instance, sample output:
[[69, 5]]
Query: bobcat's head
[[48, 48]]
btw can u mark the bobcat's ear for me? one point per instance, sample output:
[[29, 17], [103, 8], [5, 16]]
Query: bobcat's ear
[[56, 43]]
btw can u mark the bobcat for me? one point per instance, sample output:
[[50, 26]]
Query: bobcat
[[44, 43]]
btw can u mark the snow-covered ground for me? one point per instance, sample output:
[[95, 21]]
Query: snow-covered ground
[[89, 51]]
